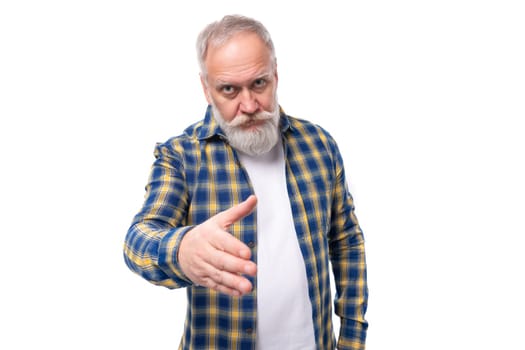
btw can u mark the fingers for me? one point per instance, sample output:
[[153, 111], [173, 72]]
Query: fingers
[[223, 281], [236, 213], [224, 261], [227, 218], [224, 272], [214, 268], [211, 257], [224, 241]]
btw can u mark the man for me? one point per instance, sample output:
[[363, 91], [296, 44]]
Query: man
[[247, 208]]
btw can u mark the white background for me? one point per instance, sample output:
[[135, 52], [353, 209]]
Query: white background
[[426, 100]]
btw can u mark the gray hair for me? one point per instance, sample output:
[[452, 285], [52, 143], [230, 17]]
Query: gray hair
[[217, 33]]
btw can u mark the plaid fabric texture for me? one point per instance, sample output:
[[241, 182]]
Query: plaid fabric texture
[[197, 175]]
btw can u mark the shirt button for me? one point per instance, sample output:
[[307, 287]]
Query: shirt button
[[251, 244], [249, 330]]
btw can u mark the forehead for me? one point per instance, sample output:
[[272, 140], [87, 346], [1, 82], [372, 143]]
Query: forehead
[[240, 59]]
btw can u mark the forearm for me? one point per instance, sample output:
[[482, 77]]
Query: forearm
[[352, 335], [352, 296], [152, 241], [150, 250], [347, 253]]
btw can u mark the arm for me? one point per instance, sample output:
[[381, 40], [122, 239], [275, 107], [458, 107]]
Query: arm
[[347, 255], [152, 241], [165, 251]]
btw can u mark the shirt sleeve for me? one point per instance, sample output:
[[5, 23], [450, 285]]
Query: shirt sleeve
[[153, 239], [347, 255]]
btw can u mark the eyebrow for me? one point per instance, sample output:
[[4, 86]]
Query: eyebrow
[[221, 83]]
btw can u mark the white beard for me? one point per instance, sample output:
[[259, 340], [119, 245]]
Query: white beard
[[255, 141]]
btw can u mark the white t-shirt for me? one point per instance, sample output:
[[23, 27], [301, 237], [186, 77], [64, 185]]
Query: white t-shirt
[[284, 311]]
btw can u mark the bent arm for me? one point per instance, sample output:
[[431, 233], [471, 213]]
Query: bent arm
[[347, 255]]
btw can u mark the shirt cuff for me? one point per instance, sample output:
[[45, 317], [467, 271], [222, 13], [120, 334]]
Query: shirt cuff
[[352, 335], [168, 252]]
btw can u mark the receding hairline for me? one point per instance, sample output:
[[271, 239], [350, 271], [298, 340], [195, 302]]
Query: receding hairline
[[219, 32]]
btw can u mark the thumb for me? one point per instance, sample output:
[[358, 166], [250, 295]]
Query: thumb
[[228, 217]]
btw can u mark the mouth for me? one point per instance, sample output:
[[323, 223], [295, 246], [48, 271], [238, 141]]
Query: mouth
[[252, 124]]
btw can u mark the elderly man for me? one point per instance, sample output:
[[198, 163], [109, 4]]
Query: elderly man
[[247, 208]]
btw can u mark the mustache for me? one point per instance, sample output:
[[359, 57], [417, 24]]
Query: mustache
[[245, 118]]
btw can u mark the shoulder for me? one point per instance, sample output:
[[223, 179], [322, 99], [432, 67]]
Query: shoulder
[[183, 147], [185, 139], [310, 131]]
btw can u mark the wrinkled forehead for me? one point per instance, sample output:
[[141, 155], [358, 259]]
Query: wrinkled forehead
[[244, 57]]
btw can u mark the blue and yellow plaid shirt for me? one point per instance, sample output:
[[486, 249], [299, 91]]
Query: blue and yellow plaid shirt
[[197, 175]]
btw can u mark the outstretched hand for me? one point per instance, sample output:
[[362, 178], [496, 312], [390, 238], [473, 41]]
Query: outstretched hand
[[211, 257]]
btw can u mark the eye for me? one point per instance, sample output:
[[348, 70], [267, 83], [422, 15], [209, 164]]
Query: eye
[[228, 90], [259, 84]]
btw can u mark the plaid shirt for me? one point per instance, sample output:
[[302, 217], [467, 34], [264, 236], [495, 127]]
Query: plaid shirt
[[197, 175]]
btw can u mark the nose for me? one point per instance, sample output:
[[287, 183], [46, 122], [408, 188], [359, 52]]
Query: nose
[[248, 103]]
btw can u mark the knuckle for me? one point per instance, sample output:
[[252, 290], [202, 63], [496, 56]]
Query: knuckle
[[225, 290], [218, 276], [220, 262], [201, 274], [212, 284]]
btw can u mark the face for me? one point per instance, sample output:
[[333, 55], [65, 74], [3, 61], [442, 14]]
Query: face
[[241, 86]]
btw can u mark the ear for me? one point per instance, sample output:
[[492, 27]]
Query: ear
[[276, 75], [205, 89]]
